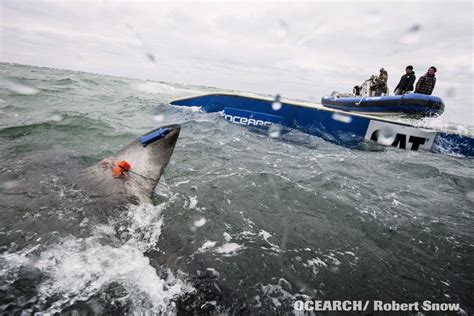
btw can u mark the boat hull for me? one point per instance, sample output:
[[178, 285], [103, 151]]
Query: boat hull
[[412, 104], [344, 128]]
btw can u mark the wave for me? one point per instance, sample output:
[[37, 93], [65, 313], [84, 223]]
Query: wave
[[64, 81], [94, 274], [91, 81], [440, 124], [58, 123], [153, 87]]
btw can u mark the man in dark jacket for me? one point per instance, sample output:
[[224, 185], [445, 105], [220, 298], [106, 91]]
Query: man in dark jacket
[[406, 81], [426, 83]]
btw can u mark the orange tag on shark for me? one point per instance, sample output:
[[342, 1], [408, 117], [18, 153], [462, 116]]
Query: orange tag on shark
[[120, 169]]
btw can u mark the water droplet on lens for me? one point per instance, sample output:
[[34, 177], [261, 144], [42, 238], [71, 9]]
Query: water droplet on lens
[[158, 118], [200, 222], [410, 38], [414, 28], [276, 105], [151, 57], [8, 185], [451, 92], [274, 131], [385, 137], [21, 87], [342, 118], [56, 118]]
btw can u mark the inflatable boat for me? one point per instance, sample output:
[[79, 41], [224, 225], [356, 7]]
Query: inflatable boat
[[341, 127], [411, 104]]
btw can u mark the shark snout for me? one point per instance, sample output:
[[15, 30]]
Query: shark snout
[[148, 155]]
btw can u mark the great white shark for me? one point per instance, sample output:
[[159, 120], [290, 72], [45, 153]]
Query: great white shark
[[148, 162], [58, 195]]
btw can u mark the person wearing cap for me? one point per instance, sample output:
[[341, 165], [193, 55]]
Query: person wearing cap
[[426, 83], [379, 85], [406, 81]]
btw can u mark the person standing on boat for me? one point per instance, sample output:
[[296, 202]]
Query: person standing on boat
[[426, 83], [406, 82], [379, 85]]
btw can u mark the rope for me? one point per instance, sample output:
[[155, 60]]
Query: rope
[[144, 177]]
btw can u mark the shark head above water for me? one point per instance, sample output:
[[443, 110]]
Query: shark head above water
[[56, 194], [147, 157]]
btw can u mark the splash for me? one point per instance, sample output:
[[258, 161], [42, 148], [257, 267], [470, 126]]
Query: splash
[[78, 269]]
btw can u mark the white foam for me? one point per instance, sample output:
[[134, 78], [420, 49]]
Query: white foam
[[207, 245], [79, 268], [193, 201], [196, 109], [265, 235], [154, 87], [177, 184], [213, 271], [315, 264], [440, 124], [10, 262], [333, 259], [227, 236], [276, 302], [229, 249], [278, 294], [200, 222], [144, 226]]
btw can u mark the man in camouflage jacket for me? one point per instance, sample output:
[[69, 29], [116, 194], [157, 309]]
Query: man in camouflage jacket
[[379, 84], [426, 83]]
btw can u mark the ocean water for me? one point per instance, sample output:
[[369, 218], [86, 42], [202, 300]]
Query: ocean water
[[242, 222]]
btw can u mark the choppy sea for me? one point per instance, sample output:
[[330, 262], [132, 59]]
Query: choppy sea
[[243, 222]]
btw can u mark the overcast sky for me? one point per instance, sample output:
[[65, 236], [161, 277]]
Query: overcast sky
[[298, 49]]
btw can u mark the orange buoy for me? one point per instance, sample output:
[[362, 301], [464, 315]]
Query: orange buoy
[[120, 169]]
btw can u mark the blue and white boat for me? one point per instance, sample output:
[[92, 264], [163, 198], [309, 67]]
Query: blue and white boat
[[410, 104], [341, 127]]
